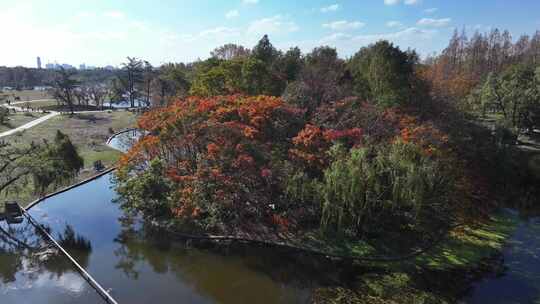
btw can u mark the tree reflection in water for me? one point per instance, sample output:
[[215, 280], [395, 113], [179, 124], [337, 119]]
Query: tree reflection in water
[[220, 271], [25, 254]]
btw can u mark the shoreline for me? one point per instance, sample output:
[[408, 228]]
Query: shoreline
[[470, 273]]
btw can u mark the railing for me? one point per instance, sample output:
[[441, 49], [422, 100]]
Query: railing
[[100, 290]]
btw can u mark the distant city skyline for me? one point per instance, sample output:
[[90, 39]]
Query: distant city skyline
[[101, 33], [82, 66]]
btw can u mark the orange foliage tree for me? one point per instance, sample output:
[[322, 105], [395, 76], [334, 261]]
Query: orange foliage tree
[[220, 155]]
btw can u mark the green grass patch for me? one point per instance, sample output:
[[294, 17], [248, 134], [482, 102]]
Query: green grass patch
[[88, 132], [468, 246], [26, 95], [18, 119], [336, 245]]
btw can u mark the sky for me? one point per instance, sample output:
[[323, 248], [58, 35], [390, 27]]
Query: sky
[[104, 32]]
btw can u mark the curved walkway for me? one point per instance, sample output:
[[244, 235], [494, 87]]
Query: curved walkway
[[38, 121]]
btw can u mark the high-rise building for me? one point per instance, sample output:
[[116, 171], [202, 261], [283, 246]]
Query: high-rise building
[[39, 63]]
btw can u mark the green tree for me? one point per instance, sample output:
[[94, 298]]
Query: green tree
[[515, 95], [64, 85], [60, 163], [254, 75], [369, 187], [383, 73], [225, 78], [265, 51], [46, 164], [4, 114], [210, 83], [290, 64], [230, 51], [131, 77]]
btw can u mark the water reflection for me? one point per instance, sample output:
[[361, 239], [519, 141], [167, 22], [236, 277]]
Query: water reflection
[[33, 271], [142, 265], [124, 141], [234, 273], [519, 281]]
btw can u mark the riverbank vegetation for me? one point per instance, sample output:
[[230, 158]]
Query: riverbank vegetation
[[87, 131], [43, 165], [376, 155], [372, 151]]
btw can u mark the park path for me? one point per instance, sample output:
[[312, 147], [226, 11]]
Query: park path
[[29, 125], [35, 122]]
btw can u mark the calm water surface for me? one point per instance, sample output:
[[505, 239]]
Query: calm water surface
[[141, 265], [520, 280]]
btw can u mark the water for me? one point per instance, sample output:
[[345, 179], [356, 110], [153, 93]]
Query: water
[[141, 265], [124, 141], [25, 277], [122, 104], [520, 281]]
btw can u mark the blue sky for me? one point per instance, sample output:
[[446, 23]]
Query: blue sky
[[105, 32]]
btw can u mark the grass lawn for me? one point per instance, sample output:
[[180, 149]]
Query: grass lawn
[[18, 119], [52, 105], [43, 103], [88, 132], [26, 95]]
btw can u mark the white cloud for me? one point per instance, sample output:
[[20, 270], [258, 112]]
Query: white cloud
[[272, 25], [330, 8], [394, 24], [85, 14], [434, 22], [391, 2], [232, 14], [220, 31], [406, 2], [412, 37], [335, 37], [114, 14], [482, 27], [344, 25], [250, 1], [431, 10], [411, 2]]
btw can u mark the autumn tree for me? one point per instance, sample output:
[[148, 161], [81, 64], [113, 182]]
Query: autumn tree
[[322, 78]]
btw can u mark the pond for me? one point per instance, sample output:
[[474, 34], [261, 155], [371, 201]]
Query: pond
[[519, 281], [141, 265], [138, 263], [122, 104]]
